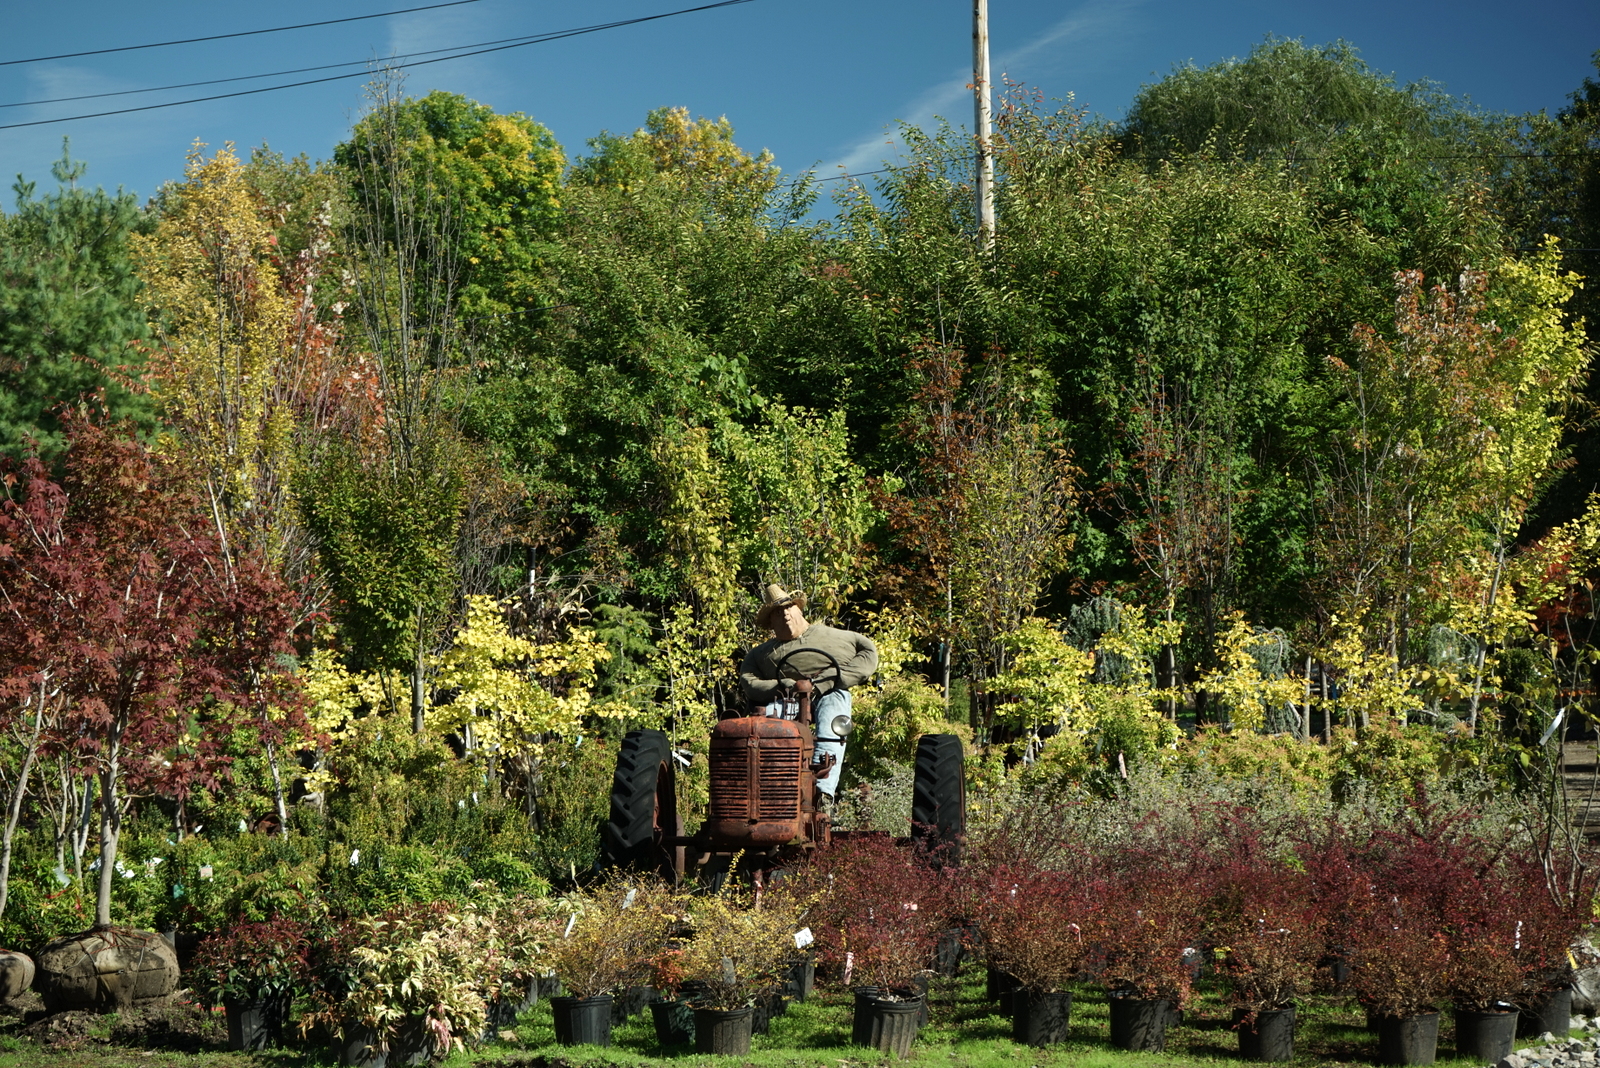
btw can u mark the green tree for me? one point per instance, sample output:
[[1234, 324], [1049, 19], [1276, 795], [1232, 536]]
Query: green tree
[[386, 539], [487, 184], [71, 318], [1284, 99]]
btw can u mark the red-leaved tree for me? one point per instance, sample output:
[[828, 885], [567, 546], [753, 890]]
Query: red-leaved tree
[[116, 601]]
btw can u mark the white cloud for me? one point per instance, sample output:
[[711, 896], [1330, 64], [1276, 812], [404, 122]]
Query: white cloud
[[106, 144], [422, 31], [952, 98]]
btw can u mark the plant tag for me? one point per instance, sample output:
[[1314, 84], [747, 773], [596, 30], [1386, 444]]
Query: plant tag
[[632, 896], [803, 938], [849, 966], [1548, 731], [572, 921], [728, 975], [206, 872], [355, 857]]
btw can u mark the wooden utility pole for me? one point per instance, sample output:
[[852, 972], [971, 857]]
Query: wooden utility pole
[[980, 88]]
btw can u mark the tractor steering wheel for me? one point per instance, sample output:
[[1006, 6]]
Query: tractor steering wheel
[[838, 673]]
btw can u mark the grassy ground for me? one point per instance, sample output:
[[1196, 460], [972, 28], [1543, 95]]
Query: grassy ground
[[964, 1032]]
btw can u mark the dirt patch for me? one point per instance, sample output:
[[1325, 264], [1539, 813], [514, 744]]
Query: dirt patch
[[174, 1024], [68, 1030], [25, 1006]]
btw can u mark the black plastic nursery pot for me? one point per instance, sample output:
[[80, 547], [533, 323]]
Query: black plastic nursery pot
[[861, 1017], [761, 1015], [1268, 1037], [411, 1044], [1485, 1036], [358, 1047], [630, 1002], [1041, 1019], [723, 1030], [257, 1024], [801, 978], [891, 1025], [947, 952], [1407, 1039], [674, 1022], [998, 986], [1140, 1023], [582, 1021], [1552, 1012]]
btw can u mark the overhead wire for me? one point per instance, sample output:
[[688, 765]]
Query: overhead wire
[[254, 77], [554, 35], [238, 33]]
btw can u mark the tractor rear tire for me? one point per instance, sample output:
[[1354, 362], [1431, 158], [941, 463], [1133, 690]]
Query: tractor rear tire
[[939, 799], [644, 808]]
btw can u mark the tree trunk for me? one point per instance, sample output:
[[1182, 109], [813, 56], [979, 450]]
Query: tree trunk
[[1483, 644], [110, 830], [80, 837], [14, 803], [277, 790], [1305, 732], [418, 706]]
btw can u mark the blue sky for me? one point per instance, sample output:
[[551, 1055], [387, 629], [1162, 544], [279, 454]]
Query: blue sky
[[819, 82]]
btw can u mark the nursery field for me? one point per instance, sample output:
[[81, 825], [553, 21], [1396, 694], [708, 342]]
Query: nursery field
[[1205, 559], [964, 1031]]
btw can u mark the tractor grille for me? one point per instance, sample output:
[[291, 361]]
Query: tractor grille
[[777, 771], [730, 782], [780, 783]]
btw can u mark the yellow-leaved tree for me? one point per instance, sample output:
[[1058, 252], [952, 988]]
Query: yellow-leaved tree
[[1530, 385], [511, 697], [222, 318], [248, 366]]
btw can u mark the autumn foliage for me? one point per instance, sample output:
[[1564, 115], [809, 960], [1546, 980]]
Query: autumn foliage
[[120, 605]]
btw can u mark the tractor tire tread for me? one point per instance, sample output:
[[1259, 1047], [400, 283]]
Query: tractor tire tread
[[627, 837], [938, 799]]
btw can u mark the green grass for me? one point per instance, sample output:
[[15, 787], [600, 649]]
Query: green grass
[[967, 1032], [964, 1032]]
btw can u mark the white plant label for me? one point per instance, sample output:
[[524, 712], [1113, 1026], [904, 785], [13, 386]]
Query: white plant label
[[803, 938]]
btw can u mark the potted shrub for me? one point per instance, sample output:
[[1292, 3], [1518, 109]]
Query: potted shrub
[[1270, 936], [1554, 898], [671, 1013], [1146, 925], [1510, 923], [608, 940], [881, 918], [1484, 980], [523, 931], [736, 951], [1399, 952], [410, 982], [1033, 923], [254, 970]]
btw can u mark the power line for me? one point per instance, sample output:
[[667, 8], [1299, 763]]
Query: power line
[[273, 74], [516, 43], [241, 33]]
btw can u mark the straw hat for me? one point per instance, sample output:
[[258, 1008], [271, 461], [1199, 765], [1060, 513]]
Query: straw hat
[[777, 598]]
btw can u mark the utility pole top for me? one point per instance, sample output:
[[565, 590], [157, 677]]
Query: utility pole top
[[985, 123]]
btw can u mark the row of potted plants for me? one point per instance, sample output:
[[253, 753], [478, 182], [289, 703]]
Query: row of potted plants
[[1424, 912], [1428, 912]]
